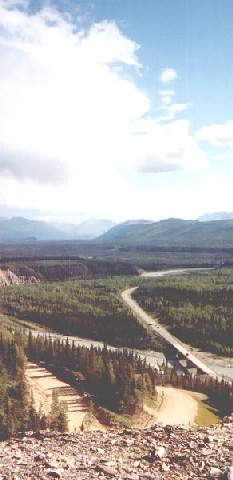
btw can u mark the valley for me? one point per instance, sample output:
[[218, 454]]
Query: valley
[[86, 304], [116, 240]]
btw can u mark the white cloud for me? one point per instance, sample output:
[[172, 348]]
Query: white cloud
[[166, 96], [178, 107], [224, 156], [168, 109], [168, 75], [169, 147], [171, 110], [169, 93], [72, 120], [60, 94], [219, 135]]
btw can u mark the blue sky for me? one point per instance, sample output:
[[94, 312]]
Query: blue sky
[[116, 108]]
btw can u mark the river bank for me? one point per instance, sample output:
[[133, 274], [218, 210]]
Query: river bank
[[172, 406], [221, 365]]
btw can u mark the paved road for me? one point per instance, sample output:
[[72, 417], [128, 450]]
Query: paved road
[[163, 334]]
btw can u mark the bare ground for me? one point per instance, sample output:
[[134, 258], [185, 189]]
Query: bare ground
[[42, 383], [174, 407]]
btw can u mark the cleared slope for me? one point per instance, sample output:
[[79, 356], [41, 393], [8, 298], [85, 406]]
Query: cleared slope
[[42, 383]]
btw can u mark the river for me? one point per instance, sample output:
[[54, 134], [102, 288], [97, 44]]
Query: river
[[223, 366], [155, 359]]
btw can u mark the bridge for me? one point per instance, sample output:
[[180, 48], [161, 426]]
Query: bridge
[[189, 360]]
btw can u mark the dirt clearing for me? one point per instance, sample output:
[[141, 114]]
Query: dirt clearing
[[175, 407], [42, 383]]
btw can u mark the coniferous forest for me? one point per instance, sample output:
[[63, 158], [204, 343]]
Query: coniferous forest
[[86, 308], [117, 380], [196, 308], [93, 308], [113, 379], [17, 411], [13, 391]]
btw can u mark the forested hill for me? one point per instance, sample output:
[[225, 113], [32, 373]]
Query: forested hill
[[172, 232]]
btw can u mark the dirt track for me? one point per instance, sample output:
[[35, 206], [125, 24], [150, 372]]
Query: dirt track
[[176, 407], [42, 383]]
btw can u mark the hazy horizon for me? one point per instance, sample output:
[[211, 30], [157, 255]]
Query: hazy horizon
[[58, 218]]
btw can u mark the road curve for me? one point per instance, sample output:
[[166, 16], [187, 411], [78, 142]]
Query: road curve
[[163, 334]]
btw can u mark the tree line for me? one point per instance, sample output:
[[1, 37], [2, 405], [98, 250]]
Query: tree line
[[117, 380], [85, 308], [17, 410], [197, 308], [13, 390]]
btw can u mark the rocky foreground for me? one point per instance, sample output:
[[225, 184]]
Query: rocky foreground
[[154, 454]]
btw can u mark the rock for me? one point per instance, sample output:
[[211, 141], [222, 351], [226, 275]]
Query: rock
[[40, 457], [110, 472], [54, 473], [209, 439], [160, 452], [100, 450], [215, 472], [51, 465], [228, 474]]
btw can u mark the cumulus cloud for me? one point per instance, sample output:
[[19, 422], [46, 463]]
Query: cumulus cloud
[[62, 96], [73, 116], [171, 110], [168, 109], [219, 135], [168, 75], [29, 165], [166, 96], [169, 147], [224, 156]]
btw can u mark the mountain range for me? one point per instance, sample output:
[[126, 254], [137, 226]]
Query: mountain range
[[172, 232], [166, 233], [87, 230], [19, 229]]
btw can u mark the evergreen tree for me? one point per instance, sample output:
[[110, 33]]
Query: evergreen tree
[[58, 415]]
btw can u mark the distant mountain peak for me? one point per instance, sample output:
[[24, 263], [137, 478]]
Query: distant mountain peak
[[171, 232], [214, 216], [20, 228], [86, 230]]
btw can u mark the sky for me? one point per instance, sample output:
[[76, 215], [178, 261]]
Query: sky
[[118, 109]]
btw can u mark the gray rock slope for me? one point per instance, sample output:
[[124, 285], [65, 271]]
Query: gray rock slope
[[154, 454]]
